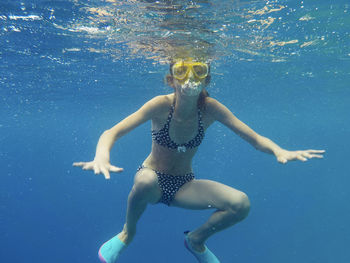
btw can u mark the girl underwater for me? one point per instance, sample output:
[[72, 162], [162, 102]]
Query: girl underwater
[[179, 121]]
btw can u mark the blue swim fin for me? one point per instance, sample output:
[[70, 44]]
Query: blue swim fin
[[110, 250], [203, 257]]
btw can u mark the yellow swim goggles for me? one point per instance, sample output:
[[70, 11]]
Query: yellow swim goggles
[[181, 69]]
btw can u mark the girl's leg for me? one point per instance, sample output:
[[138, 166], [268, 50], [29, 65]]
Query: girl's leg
[[145, 190], [231, 207]]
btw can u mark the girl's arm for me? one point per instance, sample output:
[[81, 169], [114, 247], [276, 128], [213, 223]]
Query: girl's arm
[[220, 113], [101, 162]]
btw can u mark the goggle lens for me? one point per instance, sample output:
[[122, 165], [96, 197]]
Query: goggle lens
[[201, 71], [180, 72]]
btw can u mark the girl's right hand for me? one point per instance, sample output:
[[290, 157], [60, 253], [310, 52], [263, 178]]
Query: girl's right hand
[[99, 166]]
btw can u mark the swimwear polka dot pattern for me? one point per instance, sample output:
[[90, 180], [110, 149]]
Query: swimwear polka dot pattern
[[162, 136], [170, 184]]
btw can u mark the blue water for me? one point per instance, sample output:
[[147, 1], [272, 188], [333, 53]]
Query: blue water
[[61, 87]]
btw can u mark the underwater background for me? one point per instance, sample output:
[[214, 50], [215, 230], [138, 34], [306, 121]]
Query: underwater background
[[71, 69]]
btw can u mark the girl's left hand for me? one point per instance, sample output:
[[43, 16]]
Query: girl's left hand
[[284, 156]]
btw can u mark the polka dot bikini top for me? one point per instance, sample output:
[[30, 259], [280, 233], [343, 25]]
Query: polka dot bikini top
[[162, 136]]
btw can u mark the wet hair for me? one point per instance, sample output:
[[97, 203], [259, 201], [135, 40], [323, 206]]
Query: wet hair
[[169, 78]]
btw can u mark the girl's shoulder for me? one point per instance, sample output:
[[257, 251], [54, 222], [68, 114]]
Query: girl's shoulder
[[215, 109], [211, 104], [160, 105], [163, 101]]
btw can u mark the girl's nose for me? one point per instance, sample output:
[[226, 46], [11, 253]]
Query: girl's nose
[[190, 75]]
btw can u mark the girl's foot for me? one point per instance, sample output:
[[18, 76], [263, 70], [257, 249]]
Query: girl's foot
[[203, 257]]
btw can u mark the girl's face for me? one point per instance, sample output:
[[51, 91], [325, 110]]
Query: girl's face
[[190, 76], [190, 86]]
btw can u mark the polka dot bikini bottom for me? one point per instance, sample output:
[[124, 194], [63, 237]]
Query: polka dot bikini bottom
[[170, 184]]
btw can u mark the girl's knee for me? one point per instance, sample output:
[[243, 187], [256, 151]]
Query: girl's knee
[[240, 206], [244, 205]]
